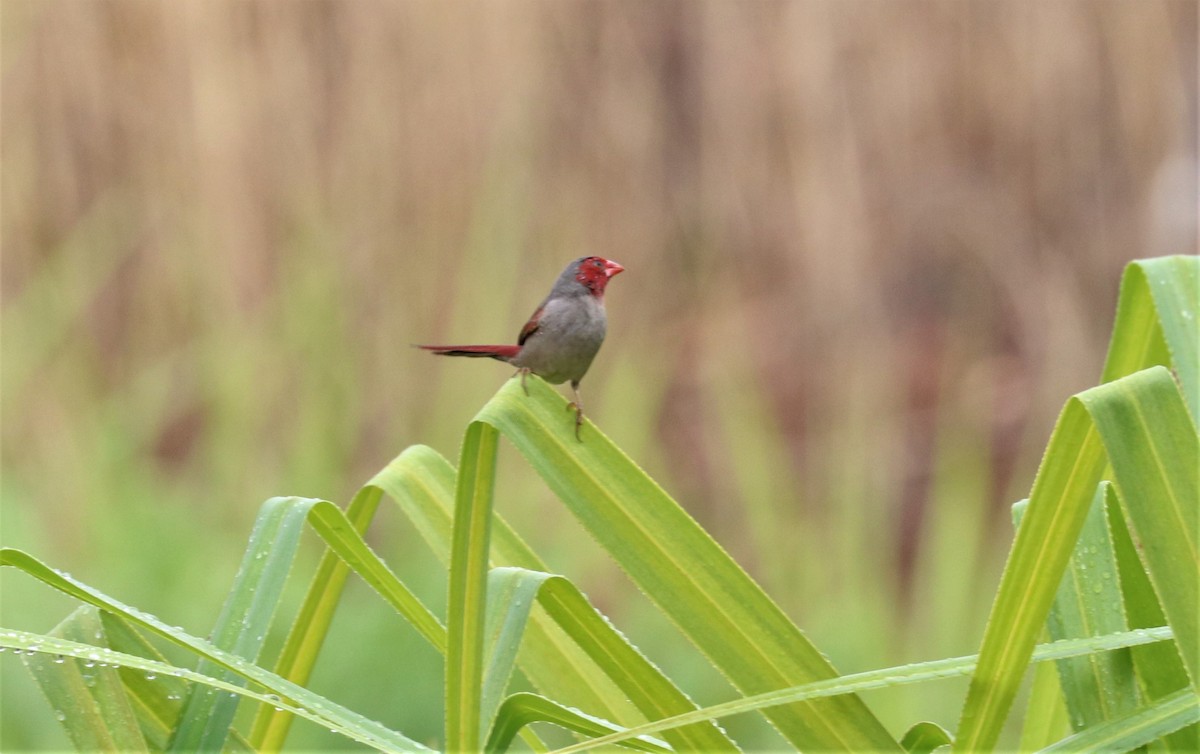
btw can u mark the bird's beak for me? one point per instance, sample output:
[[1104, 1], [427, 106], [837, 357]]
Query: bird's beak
[[612, 268]]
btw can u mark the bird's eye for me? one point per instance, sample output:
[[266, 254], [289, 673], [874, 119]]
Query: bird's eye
[[597, 263]]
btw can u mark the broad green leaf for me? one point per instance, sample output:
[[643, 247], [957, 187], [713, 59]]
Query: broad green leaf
[[1136, 728], [264, 571], [1045, 714], [311, 625], [343, 536], [679, 566], [467, 603], [876, 679], [1088, 603], [340, 534], [297, 700], [1158, 323], [647, 687], [470, 550], [421, 482], [157, 700], [1159, 666], [88, 698], [1058, 505], [511, 594], [520, 710], [1153, 446], [243, 623], [154, 698], [923, 738], [568, 646], [327, 520]]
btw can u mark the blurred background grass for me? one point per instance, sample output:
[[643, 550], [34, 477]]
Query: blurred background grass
[[871, 247]]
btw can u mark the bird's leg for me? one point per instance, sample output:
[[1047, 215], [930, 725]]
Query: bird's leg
[[576, 404], [524, 373]]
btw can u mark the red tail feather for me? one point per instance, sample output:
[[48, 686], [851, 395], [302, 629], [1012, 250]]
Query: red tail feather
[[501, 353]]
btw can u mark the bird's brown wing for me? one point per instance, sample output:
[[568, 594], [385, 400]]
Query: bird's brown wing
[[530, 327]]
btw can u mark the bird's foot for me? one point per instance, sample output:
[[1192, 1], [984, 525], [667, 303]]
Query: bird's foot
[[578, 418], [524, 373]]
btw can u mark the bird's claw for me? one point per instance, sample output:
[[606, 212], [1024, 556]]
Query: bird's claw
[[578, 418], [524, 373]]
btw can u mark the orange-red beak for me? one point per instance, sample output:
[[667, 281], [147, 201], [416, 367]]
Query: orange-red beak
[[612, 268]]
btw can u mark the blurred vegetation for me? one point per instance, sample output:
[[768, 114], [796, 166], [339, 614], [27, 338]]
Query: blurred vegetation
[[224, 223]]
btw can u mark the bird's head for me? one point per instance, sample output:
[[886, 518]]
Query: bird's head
[[593, 273]]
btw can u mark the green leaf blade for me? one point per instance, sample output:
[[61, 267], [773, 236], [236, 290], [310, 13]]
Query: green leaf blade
[[1088, 603], [679, 566], [511, 594], [570, 650], [1136, 728], [244, 620], [299, 700], [467, 603], [156, 699], [298, 656], [1159, 666], [876, 679], [1057, 508], [1153, 446], [923, 738], [520, 710], [88, 697], [1158, 323], [1157, 466], [1046, 716]]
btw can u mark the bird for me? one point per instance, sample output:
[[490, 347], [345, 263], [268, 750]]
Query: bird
[[561, 339]]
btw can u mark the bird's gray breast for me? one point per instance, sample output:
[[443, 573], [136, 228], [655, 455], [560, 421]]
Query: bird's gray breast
[[568, 336]]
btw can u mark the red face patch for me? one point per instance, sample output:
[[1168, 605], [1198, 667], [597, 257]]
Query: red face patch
[[594, 273]]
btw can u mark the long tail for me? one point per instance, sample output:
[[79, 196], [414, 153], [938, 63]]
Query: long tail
[[500, 353]]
